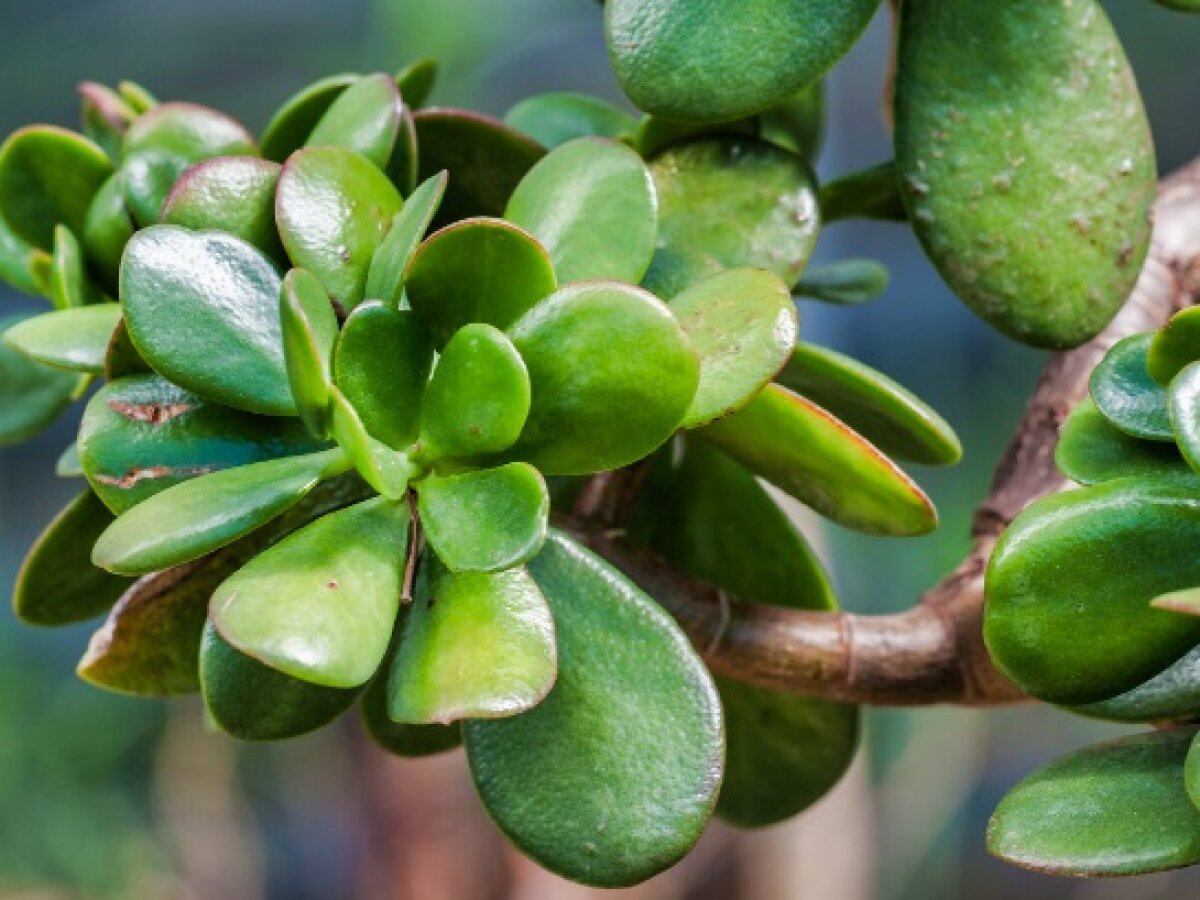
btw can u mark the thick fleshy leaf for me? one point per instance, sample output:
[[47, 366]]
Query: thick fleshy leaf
[[386, 469], [709, 516], [416, 81], [1040, 233], [57, 583], [485, 158], [69, 285], [1088, 562], [402, 740], [487, 520], [716, 62], [147, 178], [68, 464], [189, 130], [640, 377], [1171, 695], [31, 394], [556, 118], [364, 118], [742, 201], [479, 396], [291, 125], [591, 203], [1090, 450], [872, 193], [203, 309], [847, 282], [634, 700], [1174, 346], [310, 332], [812, 455], [888, 415], [479, 270], [122, 357], [254, 702], [473, 646], [106, 116], [1127, 396], [106, 230], [655, 134], [1185, 413], [23, 266], [673, 271], [385, 277], [382, 365], [234, 194], [141, 434], [193, 518], [798, 123], [743, 324], [48, 176], [1118, 808], [72, 339], [333, 208], [320, 604]]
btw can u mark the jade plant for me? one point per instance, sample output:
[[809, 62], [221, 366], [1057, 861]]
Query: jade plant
[[355, 384]]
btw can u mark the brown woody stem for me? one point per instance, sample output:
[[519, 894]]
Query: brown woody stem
[[933, 652]]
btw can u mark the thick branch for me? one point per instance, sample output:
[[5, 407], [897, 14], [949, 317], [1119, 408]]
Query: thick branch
[[933, 652]]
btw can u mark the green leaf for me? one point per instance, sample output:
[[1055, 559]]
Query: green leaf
[[333, 208], [310, 332], [846, 282], [743, 202], [479, 396], [479, 270], [31, 394], [382, 365], [632, 699], [57, 583], [888, 415], [554, 119], [639, 379], [715, 62], [1118, 808], [1088, 562], [254, 702], [655, 134], [1171, 695], [106, 116], [872, 193], [203, 309], [291, 125], [72, 339], [385, 277], [743, 324], [68, 464], [1127, 396], [402, 740], [798, 123], [809, 453], [122, 358], [416, 81], [485, 158], [1040, 233], [48, 177], [473, 646], [234, 194], [320, 604], [147, 178], [22, 266], [1174, 346], [1185, 413], [139, 99], [189, 130], [193, 518], [1090, 450], [141, 434], [673, 271], [487, 520], [591, 203], [387, 470], [364, 118], [69, 286]]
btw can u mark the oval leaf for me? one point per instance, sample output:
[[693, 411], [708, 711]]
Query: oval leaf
[[364, 118], [107, 230], [310, 332], [1174, 346], [385, 278], [72, 339], [291, 125], [1185, 413], [1170, 696], [846, 282], [1127, 396], [1090, 450], [402, 740], [234, 194], [554, 119], [31, 394]]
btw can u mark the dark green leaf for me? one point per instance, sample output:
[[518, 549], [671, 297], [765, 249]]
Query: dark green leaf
[[1127, 396], [847, 281], [31, 395], [69, 286], [1171, 695], [402, 740], [106, 230], [416, 82], [872, 193], [1090, 450], [1174, 346], [555, 118], [310, 332]]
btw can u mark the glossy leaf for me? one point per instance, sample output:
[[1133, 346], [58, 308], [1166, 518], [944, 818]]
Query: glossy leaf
[[382, 365], [69, 285], [291, 125], [743, 202], [486, 520], [385, 277], [554, 119], [673, 271], [1174, 346], [798, 123], [872, 193], [485, 158], [31, 394], [479, 396], [203, 309], [193, 518], [592, 204], [1171, 695], [72, 339], [147, 178], [743, 324], [1118, 808], [714, 62], [387, 470], [655, 134], [22, 266], [634, 700], [234, 194], [57, 583], [1090, 450], [847, 282], [364, 118], [1185, 413], [1088, 562], [812, 455], [320, 604], [888, 415], [402, 740], [1127, 396], [333, 208], [416, 81], [310, 332], [639, 381], [1040, 233], [478, 270], [473, 646], [188, 130], [48, 176]]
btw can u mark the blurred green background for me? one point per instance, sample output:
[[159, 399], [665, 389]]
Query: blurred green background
[[106, 797]]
